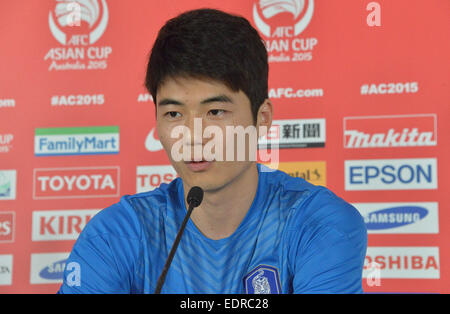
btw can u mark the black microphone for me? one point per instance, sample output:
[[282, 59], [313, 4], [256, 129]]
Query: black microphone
[[194, 199]]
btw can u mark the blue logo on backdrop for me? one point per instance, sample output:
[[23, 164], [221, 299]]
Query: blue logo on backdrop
[[394, 217], [263, 279], [54, 271]]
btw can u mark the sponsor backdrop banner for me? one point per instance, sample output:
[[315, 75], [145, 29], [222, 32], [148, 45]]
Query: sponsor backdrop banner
[[361, 105]]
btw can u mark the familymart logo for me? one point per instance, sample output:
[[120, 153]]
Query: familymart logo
[[95, 140]]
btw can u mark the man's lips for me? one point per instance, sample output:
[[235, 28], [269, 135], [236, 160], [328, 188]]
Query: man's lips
[[198, 165]]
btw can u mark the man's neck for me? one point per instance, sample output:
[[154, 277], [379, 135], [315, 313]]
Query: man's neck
[[223, 210]]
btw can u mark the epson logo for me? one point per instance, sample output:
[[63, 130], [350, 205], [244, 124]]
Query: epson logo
[[391, 174], [400, 218]]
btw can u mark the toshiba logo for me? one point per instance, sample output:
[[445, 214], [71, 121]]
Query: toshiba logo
[[76, 182], [56, 225], [404, 262], [390, 131], [149, 178]]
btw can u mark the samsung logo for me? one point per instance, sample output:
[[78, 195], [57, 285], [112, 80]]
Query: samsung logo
[[54, 271], [394, 217]]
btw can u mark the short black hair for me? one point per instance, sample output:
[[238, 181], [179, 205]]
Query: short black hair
[[211, 44]]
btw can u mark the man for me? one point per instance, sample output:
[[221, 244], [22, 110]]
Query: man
[[256, 231]]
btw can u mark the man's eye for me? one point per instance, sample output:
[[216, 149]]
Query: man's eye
[[216, 112], [172, 114]]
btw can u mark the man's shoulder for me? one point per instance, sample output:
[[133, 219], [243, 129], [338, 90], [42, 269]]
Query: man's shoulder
[[292, 190], [316, 206], [152, 200], [124, 218]]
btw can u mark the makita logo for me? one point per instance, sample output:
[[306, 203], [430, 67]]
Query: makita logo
[[56, 225], [390, 131], [404, 262], [76, 182]]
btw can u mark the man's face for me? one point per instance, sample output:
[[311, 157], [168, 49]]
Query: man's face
[[181, 100]]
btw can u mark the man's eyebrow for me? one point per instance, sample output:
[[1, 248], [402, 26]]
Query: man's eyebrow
[[168, 101], [219, 98]]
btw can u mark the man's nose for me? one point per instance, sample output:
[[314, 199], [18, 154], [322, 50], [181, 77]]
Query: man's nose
[[195, 125]]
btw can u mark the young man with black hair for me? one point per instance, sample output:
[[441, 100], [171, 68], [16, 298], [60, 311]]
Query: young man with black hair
[[256, 231]]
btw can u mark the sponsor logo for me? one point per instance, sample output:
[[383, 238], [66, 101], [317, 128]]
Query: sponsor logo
[[7, 103], [151, 143], [76, 141], [391, 174], [56, 225], [5, 142], [144, 97], [295, 134], [390, 131], [47, 267], [264, 279], [77, 39], [314, 171], [281, 22], [7, 225], [404, 262], [398, 218], [61, 183], [6, 269], [151, 177], [8, 184]]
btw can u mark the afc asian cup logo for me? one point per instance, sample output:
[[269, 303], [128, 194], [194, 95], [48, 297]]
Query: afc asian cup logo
[[302, 14], [281, 22], [94, 14]]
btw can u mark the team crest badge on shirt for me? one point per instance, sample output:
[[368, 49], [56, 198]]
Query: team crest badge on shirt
[[264, 279]]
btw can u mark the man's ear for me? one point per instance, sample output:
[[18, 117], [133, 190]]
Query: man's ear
[[264, 117]]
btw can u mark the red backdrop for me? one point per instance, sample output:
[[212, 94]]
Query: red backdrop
[[377, 91]]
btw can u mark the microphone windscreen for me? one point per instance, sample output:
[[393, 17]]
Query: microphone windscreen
[[195, 196]]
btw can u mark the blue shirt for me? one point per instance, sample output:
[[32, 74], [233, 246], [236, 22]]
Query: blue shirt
[[295, 238]]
